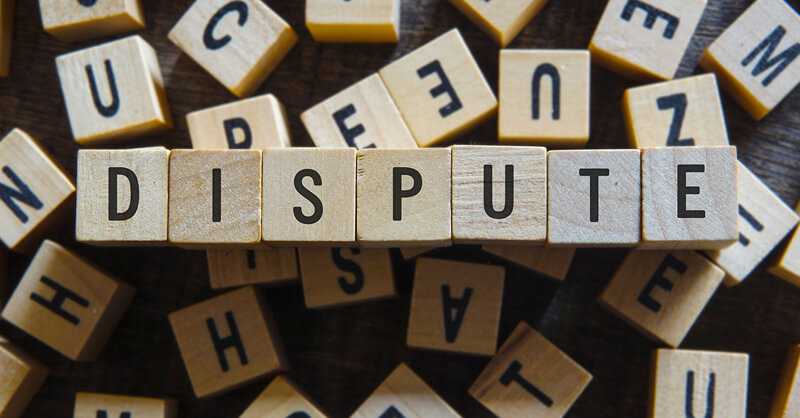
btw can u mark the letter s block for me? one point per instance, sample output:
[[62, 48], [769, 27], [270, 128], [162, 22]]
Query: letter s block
[[368, 21], [21, 378], [94, 405], [79, 20], [282, 399]]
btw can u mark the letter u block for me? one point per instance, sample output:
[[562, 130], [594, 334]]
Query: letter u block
[[94, 405], [282, 399], [79, 20], [21, 378], [255, 123]]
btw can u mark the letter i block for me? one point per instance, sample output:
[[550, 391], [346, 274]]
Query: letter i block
[[787, 266], [238, 42], [440, 89], [552, 262], [699, 384], [530, 377], [256, 123], [86, 19], [689, 198], [360, 116], [756, 57], [94, 405], [67, 303], [404, 394], [456, 307], [35, 193], [369, 21], [21, 378], [227, 342], [6, 29], [502, 20], [234, 268], [645, 38], [785, 404], [282, 399], [662, 293], [114, 91]]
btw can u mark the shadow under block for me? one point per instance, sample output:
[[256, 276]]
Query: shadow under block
[[96, 405], [645, 38], [502, 20], [311, 196], [68, 304], [689, 197], [756, 57], [594, 198], [786, 403], [81, 20], [530, 377], [282, 399], [215, 197], [36, 193], [787, 266], [256, 123], [404, 394], [21, 378], [705, 383], [764, 221], [682, 112], [456, 307], [662, 293], [227, 342], [239, 43], [549, 261], [360, 21], [439, 89], [499, 194], [122, 196], [403, 198], [363, 115], [234, 268], [544, 97], [6, 34], [345, 276]]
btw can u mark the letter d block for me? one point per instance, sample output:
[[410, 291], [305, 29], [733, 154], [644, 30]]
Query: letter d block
[[81, 20], [282, 399], [372, 21], [255, 123], [227, 342], [94, 405], [21, 378], [67, 303]]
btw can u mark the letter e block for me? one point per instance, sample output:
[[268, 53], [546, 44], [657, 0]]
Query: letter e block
[[502, 20], [94, 405], [81, 20], [21, 378], [552, 262], [368, 21], [786, 402], [256, 123], [233, 268], [282, 399], [787, 266], [6, 29]]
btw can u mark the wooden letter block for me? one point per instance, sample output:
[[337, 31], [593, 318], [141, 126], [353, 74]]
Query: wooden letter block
[[361, 116], [238, 42], [309, 196], [645, 38], [499, 194], [700, 383], [6, 34], [756, 57], [502, 20], [282, 399], [403, 198], [21, 378], [689, 197], [456, 307], [256, 123], [82, 20], [215, 197], [549, 261], [67, 303], [764, 221], [345, 276], [685, 112], [440, 89], [530, 377], [233, 268], [787, 267], [786, 403], [94, 405], [227, 342], [122, 196], [369, 21], [404, 394], [35, 192], [544, 97], [662, 293], [594, 197]]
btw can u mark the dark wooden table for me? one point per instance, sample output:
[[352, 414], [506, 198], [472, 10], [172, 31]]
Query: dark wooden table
[[340, 356]]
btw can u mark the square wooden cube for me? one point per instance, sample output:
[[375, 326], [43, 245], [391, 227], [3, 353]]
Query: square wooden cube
[[685, 380], [756, 57], [6, 35], [94, 405], [239, 43], [439, 89], [503, 21], [36, 193], [21, 379], [645, 38], [282, 399], [787, 266], [785, 403], [255, 123], [764, 221], [215, 197], [114, 91], [309, 196], [550, 261], [122, 196], [683, 112], [404, 394], [530, 377], [368, 21], [67, 303], [594, 197], [234, 268], [662, 293], [402, 198], [227, 342], [689, 197], [361, 116], [544, 97], [82, 20], [499, 194]]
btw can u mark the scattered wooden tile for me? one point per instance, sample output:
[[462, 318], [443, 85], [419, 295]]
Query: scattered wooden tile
[[549, 261], [81, 20], [503, 21], [375, 21], [786, 402], [96, 405], [255, 123], [282, 399], [6, 34], [21, 378], [787, 266], [234, 268]]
